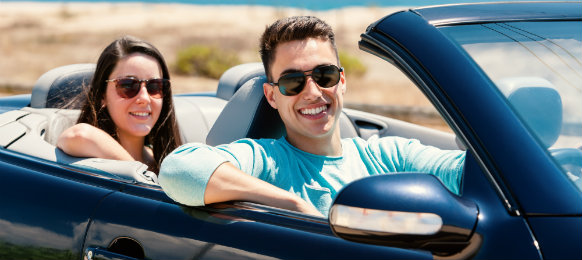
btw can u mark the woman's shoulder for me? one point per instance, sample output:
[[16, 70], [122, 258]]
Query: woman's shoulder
[[79, 131]]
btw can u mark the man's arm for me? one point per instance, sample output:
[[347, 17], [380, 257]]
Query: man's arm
[[409, 155], [197, 174], [229, 183]]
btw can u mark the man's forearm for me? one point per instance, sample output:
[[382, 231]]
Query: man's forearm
[[228, 183]]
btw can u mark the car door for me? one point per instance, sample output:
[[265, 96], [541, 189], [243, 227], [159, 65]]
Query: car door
[[45, 208], [142, 222]]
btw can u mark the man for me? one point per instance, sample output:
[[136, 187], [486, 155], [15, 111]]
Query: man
[[305, 169]]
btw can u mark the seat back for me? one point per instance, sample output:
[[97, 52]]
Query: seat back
[[539, 105], [61, 86], [232, 79], [248, 114]]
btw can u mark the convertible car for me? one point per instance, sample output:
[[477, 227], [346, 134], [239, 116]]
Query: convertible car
[[506, 78]]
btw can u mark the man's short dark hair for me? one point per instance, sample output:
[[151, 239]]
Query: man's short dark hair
[[292, 29]]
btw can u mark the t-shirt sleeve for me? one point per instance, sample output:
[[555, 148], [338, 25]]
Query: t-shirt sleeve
[[409, 155], [184, 174]]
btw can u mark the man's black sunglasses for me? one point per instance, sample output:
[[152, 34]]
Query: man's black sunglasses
[[325, 76]]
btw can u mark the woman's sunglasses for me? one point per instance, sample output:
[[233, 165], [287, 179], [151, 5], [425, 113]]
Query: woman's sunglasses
[[129, 87], [292, 84]]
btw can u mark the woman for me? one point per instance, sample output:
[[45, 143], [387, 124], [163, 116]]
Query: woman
[[128, 113]]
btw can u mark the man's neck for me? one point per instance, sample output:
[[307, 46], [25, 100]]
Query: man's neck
[[326, 145]]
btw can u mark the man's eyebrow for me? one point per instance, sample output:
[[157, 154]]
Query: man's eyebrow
[[287, 71]]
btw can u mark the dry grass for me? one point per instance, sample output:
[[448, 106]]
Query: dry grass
[[37, 37]]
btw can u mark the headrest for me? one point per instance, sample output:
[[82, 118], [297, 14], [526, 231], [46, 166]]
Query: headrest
[[246, 115], [539, 105], [232, 79], [59, 86]]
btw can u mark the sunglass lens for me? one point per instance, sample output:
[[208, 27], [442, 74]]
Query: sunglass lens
[[155, 87], [127, 88], [326, 76], [291, 84]]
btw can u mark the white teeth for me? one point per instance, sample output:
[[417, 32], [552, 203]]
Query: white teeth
[[313, 111], [140, 113]]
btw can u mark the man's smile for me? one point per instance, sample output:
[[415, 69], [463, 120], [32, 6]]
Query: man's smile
[[313, 111]]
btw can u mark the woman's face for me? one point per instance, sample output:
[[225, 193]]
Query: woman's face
[[135, 116]]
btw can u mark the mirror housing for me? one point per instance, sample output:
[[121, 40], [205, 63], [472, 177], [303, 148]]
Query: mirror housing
[[405, 210]]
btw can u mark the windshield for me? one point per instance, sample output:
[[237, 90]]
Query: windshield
[[538, 68]]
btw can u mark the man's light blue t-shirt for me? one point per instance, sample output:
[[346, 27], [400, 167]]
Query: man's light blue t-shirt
[[184, 173]]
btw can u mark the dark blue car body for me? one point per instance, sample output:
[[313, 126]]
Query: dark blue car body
[[515, 202]]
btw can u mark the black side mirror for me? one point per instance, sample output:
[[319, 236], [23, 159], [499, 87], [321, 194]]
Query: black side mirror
[[408, 210]]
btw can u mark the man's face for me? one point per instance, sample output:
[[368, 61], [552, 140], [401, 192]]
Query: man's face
[[314, 112]]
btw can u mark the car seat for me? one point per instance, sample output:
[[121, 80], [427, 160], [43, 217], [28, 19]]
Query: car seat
[[538, 104], [59, 87], [232, 79]]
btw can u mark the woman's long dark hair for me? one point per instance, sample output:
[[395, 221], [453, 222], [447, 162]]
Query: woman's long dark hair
[[164, 136]]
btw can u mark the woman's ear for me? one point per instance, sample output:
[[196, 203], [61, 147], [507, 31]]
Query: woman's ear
[[269, 95], [103, 104]]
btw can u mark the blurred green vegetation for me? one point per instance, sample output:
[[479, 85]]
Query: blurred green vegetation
[[11, 251], [352, 65], [211, 62], [205, 61]]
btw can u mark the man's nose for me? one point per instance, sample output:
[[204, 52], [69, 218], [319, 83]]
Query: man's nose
[[312, 90]]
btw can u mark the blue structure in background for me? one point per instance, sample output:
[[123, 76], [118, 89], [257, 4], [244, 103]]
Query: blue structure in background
[[320, 5]]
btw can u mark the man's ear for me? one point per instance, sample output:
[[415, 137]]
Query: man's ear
[[268, 91], [343, 82]]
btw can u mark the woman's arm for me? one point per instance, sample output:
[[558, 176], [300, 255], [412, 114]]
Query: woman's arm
[[84, 140]]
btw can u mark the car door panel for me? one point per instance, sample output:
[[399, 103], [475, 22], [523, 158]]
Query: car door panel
[[558, 236], [169, 231], [43, 216], [500, 231]]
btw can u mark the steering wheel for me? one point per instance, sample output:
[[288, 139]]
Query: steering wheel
[[571, 160]]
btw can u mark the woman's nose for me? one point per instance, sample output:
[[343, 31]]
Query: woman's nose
[[142, 95]]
